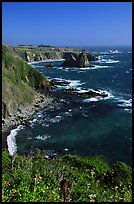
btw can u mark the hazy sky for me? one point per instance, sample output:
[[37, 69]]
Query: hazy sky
[[67, 23]]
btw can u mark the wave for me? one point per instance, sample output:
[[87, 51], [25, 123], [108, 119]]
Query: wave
[[100, 67], [112, 61], [98, 98], [39, 66], [58, 67], [11, 140], [87, 100], [102, 60], [42, 137], [72, 83], [48, 120], [56, 119], [68, 113], [83, 69], [128, 110], [111, 52], [125, 103]]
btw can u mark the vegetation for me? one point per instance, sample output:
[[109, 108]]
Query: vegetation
[[20, 81], [36, 178], [17, 70], [43, 51]]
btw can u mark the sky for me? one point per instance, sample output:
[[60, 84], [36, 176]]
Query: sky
[[67, 23]]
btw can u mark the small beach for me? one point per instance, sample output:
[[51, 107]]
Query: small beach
[[48, 60]]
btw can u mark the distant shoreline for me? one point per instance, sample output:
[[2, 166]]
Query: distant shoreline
[[48, 60]]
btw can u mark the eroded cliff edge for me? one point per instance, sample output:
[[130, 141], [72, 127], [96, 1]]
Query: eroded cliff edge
[[73, 57], [22, 86]]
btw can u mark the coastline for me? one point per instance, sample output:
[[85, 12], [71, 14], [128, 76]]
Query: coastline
[[26, 113], [48, 60]]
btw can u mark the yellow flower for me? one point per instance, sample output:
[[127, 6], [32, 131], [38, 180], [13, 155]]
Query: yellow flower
[[14, 190], [37, 178], [42, 190]]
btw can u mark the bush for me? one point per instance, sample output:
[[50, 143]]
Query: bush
[[37, 178]]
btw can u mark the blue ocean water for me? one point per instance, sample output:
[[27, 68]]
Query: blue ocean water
[[87, 126]]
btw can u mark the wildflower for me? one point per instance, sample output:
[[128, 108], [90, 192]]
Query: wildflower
[[37, 178], [88, 185], [92, 197], [42, 190], [116, 188], [92, 173], [14, 190], [6, 183]]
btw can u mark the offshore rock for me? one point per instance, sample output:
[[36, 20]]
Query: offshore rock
[[76, 60], [87, 94], [82, 60]]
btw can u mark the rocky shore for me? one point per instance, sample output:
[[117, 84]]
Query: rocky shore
[[24, 114]]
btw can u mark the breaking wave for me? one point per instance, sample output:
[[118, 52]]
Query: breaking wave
[[11, 140]]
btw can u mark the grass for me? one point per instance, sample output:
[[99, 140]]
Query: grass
[[72, 178], [45, 52], [21, 83], [17, 70]]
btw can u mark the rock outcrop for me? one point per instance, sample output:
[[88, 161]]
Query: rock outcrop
[[86, 94], [29, 56], [91, 57], [77, 60], [70, 60], [74, 92], [82, 60]]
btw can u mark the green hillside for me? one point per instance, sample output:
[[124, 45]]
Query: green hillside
[[36, 53], [21, 83]]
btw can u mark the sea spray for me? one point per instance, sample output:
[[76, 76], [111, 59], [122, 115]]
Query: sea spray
[[11, 140]]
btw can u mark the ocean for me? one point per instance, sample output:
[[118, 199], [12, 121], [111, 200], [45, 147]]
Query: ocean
[[92, 126]]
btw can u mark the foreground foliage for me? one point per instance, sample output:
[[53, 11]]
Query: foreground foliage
[[36, 178]]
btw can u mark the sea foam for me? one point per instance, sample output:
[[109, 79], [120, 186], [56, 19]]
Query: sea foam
[[48, 60], [42, 137], [125, 103], [72, 84], [110, 52], [98, 98], [11, 140]]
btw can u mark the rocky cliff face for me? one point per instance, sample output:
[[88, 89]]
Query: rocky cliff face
[[30, 56], [74, 57], [82, 60], [77, 60]]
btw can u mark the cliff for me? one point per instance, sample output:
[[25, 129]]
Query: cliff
[[37, 53], [81, 59], [73, 57], [21, 83]]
